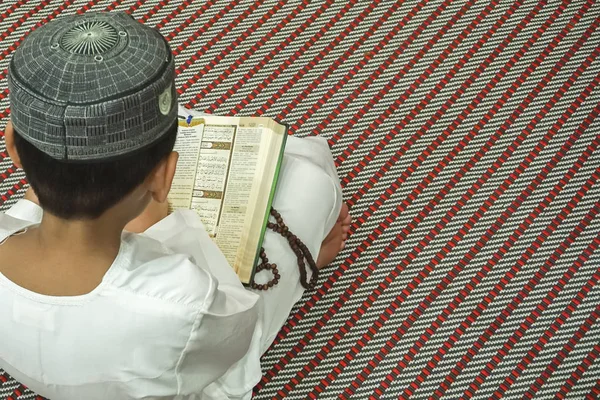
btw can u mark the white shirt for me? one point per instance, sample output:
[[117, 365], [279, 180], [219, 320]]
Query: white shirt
[[163, 323]]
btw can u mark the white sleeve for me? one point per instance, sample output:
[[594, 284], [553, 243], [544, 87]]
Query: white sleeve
[[224, 346], [26, 210], [222, 349], [183, 232]]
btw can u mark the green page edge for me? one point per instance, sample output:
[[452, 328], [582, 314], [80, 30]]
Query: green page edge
[[269, 202]]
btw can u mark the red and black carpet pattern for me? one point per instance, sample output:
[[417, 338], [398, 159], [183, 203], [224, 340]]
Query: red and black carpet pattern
[[466, 134]]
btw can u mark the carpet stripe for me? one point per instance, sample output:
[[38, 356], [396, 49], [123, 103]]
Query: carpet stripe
[[472, 352], [541, 342], [372, 331], [20, 21], [563, 182], [560, 357], [594, 392], [301, 28], [310, 65], [188, 21], [266, 17], [296, 55], [280, 337], [15, 188], [412, 87], [204, 28], [520, 332], [464, 262], [440, 112], [578, 372], [180, 8], [403, 206], [382, 256], [500, 103], [14, 6], [401, 48]]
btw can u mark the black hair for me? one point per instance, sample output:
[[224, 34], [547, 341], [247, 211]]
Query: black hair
[[86, 190]]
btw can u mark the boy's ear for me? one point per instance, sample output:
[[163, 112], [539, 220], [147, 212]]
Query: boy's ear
[[9, 138], [162, 178]]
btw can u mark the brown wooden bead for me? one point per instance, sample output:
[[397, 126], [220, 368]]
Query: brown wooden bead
[[298, 247]]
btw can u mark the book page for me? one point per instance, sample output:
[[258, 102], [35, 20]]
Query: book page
[[211, 177], [188, 146], [271, 139], [242, 175]]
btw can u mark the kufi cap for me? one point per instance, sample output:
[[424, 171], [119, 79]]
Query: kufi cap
[[92, 87]]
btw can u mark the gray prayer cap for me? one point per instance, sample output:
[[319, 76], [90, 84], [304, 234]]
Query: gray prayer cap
[[92, 87]]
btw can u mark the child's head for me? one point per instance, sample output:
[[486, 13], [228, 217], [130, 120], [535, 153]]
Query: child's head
[[93, 112]]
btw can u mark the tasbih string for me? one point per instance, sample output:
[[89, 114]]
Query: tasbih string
[[300, 250]]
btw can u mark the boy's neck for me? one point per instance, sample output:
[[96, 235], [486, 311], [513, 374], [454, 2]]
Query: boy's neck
[[63, 257], [91, 238]]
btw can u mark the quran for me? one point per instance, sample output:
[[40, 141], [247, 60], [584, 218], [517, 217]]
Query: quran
[[227, 172]]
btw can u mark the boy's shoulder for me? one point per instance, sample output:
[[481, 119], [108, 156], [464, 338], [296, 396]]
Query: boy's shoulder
[[145, 267]]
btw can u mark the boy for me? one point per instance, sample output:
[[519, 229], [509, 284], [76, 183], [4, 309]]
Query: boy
[[93, 311]]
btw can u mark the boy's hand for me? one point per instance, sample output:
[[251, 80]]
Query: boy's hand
[[151, 215]]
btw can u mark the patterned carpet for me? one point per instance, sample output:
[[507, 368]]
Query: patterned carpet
[[466, 136]]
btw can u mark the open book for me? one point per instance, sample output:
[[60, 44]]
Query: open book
[[227, 172]]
